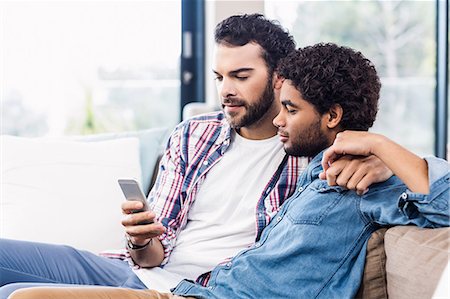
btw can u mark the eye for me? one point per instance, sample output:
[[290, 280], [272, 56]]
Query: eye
[[242, 78], [218, 78], [291, 111]]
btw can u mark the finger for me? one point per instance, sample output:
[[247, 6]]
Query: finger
[[332, 172], [145, 231], [138, 218], [322, 175], [363, 186], [358, 171], [349, 169], [371, 171], [327, 158], [362, 192], [130, 206]]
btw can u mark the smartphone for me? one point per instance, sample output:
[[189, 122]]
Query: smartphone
[[133, 191]]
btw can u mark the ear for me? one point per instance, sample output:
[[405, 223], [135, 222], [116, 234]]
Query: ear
[[277, 81], [334, 116]]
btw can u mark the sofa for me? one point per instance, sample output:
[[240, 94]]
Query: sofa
[[65, 191]]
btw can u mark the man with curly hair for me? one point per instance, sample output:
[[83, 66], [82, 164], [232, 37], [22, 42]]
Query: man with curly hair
[[315, 246], [222, 179]]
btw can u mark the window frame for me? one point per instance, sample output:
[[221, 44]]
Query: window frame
[[192, 60], [441, 110]]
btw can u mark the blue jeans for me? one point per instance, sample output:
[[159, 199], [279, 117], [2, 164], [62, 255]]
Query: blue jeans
[[28, 264]]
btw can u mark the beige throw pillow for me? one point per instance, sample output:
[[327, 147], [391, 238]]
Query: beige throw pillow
[[416, 259]]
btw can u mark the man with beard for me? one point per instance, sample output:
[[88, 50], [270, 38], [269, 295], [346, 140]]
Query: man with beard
[[222, 178]]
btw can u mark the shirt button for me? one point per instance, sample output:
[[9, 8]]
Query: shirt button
[[268, 190], [257, 244], [404, 195], [322, 189], [260, 215], [279, 218], [229, 264], [300, 189], [210, 288], [205, 162]]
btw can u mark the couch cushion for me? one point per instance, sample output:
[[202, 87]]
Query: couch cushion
[[65, 192], [150, 146], [416, 259], [373, 285]]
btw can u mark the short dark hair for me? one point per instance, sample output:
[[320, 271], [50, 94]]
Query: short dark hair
[[240, 30], [328, 74]]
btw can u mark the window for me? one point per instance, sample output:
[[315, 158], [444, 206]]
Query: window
[[89, 67], [398, 36]]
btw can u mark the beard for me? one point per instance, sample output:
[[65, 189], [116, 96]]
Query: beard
[[254, 112], [308, 142]]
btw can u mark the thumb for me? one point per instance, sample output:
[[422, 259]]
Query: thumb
[[323, 175]]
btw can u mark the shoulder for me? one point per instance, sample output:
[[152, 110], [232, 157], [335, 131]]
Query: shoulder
[[210, 126], [216, 119]]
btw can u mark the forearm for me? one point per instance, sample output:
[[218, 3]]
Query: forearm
[[410, 168], [150, 256]]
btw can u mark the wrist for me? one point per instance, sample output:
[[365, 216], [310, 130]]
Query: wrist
[[376, 142], [133, 246]]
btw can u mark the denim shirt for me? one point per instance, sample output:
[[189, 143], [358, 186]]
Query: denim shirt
[[315, 247]]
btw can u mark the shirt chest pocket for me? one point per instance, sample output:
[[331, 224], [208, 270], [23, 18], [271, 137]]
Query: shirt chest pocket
[[315, 203]]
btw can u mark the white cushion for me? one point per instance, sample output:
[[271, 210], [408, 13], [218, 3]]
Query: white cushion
[[65, 192], [151, 145]]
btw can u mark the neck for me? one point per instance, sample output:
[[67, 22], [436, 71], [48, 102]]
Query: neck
[[332, 135]]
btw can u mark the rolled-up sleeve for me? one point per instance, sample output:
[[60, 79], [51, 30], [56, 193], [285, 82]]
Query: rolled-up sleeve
[[392, 203], [435, 205]]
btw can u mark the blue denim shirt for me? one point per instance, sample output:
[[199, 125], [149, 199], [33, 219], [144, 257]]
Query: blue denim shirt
[[315, 247]]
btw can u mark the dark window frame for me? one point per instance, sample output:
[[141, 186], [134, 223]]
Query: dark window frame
[[192, 61], [441, 110]]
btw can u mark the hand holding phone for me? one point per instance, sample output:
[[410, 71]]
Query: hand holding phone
[[133, 191]]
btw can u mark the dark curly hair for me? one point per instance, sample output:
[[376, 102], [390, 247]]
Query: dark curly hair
[[240, 30], [328, 74]]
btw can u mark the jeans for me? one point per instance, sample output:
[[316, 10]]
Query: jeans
[[28, 264]]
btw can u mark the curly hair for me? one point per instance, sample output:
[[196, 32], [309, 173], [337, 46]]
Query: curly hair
[[240, 30], [328, 74]]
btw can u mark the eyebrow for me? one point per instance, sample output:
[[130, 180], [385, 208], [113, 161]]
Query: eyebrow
[[288, 103], [235, 72]]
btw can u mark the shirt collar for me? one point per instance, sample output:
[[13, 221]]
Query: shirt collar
[[315, 166], [225, 132]]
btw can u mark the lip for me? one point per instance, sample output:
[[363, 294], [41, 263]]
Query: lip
[[232, 108], [283, 138]]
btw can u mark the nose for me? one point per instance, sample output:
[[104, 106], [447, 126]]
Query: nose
[[278, 121], [226, 88]]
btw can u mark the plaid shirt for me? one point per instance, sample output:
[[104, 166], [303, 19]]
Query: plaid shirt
[[194, 147]]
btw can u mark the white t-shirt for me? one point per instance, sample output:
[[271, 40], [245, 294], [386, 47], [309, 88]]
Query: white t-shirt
[[221, 221]]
